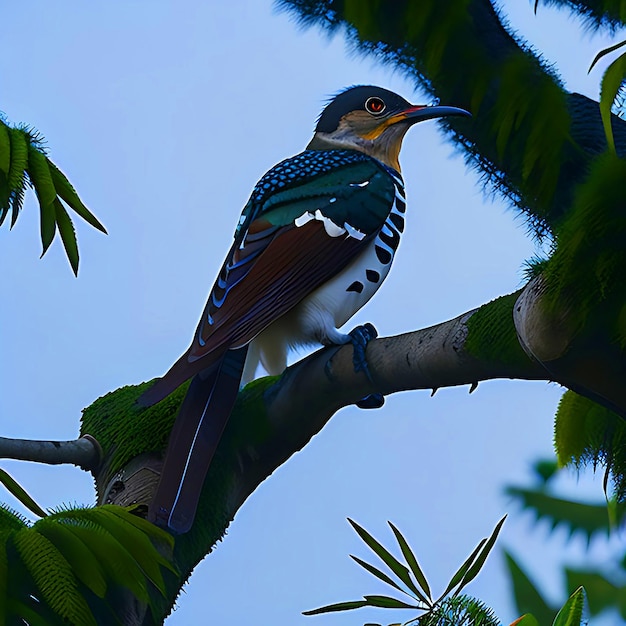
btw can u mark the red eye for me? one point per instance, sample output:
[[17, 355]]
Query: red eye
[[375, 105]]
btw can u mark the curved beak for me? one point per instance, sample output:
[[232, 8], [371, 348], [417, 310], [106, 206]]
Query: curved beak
[[419, 113]]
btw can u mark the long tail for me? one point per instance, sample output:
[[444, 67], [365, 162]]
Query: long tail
[[197, 431]]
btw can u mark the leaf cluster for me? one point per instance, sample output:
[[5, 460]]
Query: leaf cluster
[[70, 566], [451, 608], [586, 433], [408, 578], [23, 162], [605, 587]]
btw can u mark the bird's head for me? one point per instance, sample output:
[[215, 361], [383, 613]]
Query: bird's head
[[373, 120]]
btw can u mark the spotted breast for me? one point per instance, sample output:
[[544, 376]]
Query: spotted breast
[[316, 318]]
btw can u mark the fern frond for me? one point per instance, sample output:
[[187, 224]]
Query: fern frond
[[586, 433], [588, 519], [83, 561], [53, 576], [24, 160], [460, 611], [16, 179]]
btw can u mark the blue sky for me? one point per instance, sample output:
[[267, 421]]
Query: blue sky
[[164, 115]]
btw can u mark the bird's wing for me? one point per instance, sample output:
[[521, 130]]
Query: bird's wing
[[294, 239]]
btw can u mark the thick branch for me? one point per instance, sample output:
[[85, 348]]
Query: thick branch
[[276, 417], [316, 388], [84, 452], [581, 356]]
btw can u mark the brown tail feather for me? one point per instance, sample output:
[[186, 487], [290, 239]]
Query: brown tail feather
[[197, 431]]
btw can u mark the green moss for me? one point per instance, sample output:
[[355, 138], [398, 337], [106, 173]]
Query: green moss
[[492, 335], [587, 433], [124, 429]]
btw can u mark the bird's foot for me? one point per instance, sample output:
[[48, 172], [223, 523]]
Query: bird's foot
[[359, 338]]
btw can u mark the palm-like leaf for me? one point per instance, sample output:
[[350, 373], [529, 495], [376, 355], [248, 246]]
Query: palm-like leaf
[[572, 612], [612, 80], [398, 568], [65, 567], [20, 493], [588, 519], [23, 161], [466, 609], [527, 597]]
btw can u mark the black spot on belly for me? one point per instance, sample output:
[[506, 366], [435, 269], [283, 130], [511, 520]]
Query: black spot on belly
[[397, 221], [391, 240], [400, 205], [372, 275], [356, 286], [384, 256]]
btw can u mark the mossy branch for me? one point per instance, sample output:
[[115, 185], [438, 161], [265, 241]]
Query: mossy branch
[[262, 434]]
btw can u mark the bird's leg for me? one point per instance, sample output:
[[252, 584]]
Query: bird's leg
[[359, 338]]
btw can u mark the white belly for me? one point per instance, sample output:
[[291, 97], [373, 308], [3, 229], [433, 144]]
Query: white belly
[[316, 319]]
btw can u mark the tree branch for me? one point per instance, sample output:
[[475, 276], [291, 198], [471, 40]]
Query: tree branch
[[276, 416], [85, 452]]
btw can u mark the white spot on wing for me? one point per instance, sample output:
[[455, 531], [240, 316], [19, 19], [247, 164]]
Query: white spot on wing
[[355, 233], [329, 226], [303, 219], [363, 184]]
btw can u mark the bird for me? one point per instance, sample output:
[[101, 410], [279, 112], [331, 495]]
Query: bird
[[313, 244]]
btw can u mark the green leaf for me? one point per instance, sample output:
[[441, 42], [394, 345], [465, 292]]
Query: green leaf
[[411, 561], [154, 532], [612, 80], [82, 560], [53, 577], [572, 612], [460, 573], [527, 596], [477, 565], [15, 177], [601, 593], [340, 606], [16, 490], [68, 236], [5, 149], [34, 613], [587, 518], [39, 175], [4, 580], [5, 162], [68, 194], [385, 602], [605, 52], [135, 542], [392, 563], [376, 572], [48, 226], [115, 560], [545, 469]]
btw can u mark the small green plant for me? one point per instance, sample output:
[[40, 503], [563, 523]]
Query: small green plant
[[71, 565], [604, 581], [451, 608], [24, 163]]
